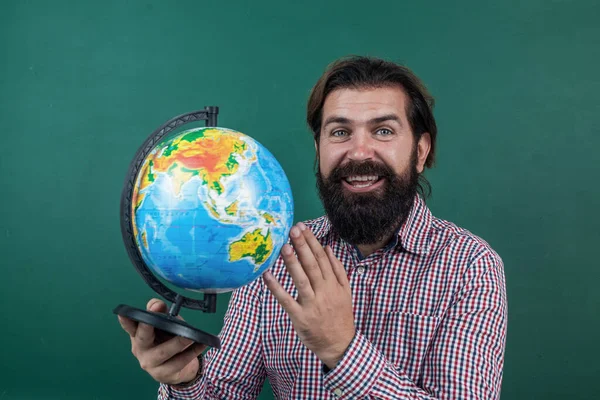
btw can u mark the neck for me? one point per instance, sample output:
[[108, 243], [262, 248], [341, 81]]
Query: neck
[[368, 249]]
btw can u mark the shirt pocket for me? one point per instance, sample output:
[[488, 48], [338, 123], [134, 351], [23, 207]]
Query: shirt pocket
[[405, 340]]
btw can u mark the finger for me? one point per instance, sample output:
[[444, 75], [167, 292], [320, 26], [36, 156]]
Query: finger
[[168, 349], [161, 336], [306, 258], [145, 335], [301, 280], [286, 301], [176, 365], [157, 306], [128, 325], [337, 267], [318, 252]]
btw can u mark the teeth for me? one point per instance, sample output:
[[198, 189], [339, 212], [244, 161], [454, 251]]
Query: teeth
[[361, 181], [363, 178], [362, 185]]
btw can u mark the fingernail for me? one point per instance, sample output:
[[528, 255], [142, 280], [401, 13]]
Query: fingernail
[[295, 232], [286, 249], [268, 277], [301, 226]]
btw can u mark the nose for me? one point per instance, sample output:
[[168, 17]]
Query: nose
[[361, 147]]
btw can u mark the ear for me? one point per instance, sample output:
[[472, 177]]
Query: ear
[[423, 148], [316, 166]]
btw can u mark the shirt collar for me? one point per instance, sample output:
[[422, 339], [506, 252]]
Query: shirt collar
[[413, 236]]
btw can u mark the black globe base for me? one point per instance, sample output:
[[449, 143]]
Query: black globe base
[[169, 324]]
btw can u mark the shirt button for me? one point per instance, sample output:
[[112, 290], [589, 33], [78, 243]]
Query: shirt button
[[360, 270], [338, 392]]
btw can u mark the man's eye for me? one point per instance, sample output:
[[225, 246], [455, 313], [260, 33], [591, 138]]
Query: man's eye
[[384, 132], [339, 133]]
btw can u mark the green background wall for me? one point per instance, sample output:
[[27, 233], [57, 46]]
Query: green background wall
[[82, 84]]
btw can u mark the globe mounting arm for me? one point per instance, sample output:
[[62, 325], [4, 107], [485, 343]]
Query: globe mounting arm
[[209, 303]]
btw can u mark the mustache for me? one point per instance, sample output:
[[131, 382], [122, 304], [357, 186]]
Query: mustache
[[360, 168]]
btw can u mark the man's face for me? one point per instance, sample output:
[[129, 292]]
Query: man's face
[[369, 162]]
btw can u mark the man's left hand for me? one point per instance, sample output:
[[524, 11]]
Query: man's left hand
[[322, 314]]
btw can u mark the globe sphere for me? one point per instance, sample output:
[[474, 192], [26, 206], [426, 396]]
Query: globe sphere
[[210, 209]]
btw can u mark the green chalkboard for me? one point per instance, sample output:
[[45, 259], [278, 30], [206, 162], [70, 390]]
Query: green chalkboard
[[82, 84]]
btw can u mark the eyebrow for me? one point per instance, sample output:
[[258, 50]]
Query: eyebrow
[[384, 118], [336, 120], [343, 120]]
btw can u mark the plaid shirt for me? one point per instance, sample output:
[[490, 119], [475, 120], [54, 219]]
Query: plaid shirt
[[430, 314]]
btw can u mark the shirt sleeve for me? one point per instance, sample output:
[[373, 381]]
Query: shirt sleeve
[[236, 370], [465, 359]]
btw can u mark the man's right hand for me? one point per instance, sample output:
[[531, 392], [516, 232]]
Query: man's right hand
[[171, 360]]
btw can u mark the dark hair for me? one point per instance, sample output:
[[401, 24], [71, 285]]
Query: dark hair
[[368, 72]]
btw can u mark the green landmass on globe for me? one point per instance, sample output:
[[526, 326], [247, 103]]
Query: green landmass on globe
[[255, 245]]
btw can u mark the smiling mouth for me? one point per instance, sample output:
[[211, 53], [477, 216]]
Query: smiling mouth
[[362, 181]]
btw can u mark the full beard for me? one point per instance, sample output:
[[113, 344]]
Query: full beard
[[370, 217]]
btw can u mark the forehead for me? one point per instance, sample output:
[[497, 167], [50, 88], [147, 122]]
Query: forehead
[[365, 104]]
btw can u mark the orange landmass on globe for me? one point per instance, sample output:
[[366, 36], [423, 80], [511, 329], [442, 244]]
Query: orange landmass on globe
[[208, 153], [212, 209], [137, 197], [254, 245], [146, 179], [144, 240], [269, 219], [232, 209]]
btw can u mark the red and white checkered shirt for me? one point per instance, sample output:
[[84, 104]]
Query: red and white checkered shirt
[[430, 314]]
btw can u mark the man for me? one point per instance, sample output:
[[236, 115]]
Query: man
[[376, 300]]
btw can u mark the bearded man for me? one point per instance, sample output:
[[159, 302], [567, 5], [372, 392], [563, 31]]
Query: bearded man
[[377, 299]]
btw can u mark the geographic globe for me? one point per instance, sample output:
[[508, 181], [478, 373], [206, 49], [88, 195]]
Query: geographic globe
[[210, 209]]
